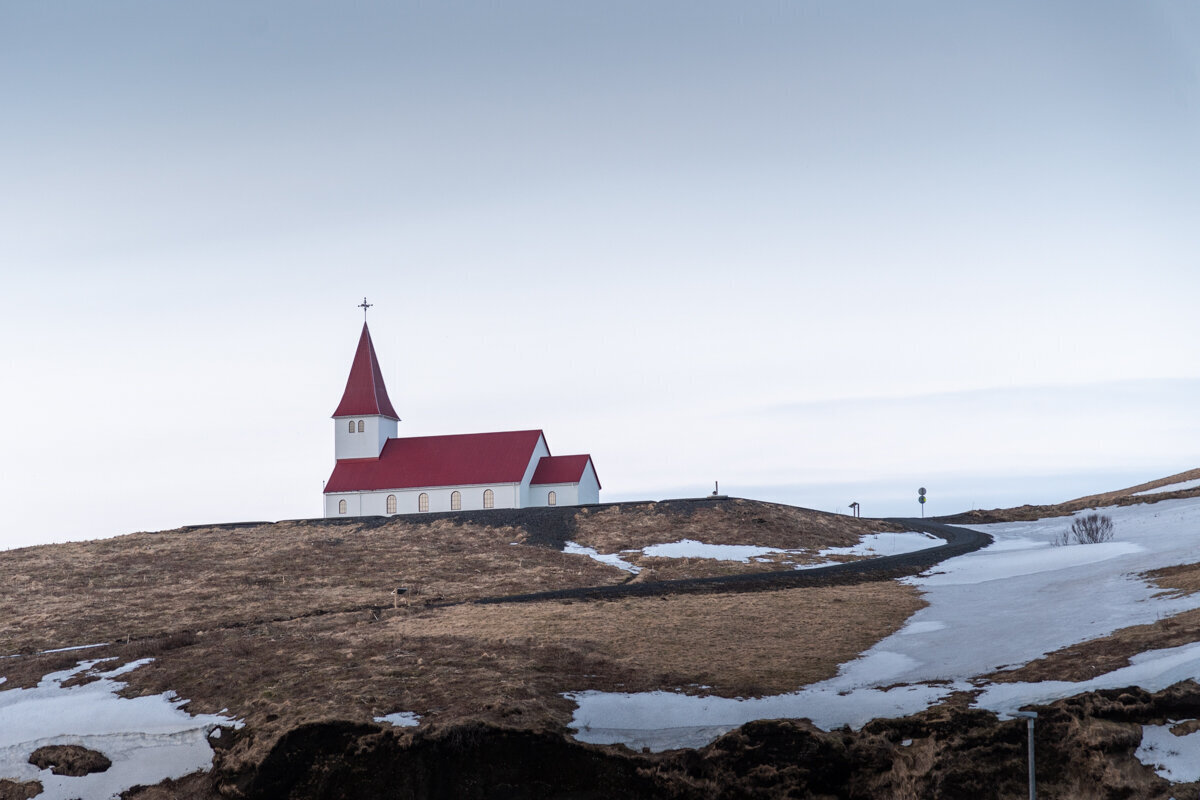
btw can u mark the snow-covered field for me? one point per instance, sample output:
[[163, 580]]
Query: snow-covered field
[[1174, 487], [148, 739], [871, 545], [996, 608]]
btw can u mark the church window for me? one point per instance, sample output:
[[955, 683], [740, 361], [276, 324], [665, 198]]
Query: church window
[[341, 506], [391, 504], [423, 502], [456, 501], [352, 426], [361, 428], [551, 499], [489, 498]]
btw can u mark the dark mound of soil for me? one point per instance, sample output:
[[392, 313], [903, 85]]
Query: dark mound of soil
[[69, 759], [341, 760], [11, 790]]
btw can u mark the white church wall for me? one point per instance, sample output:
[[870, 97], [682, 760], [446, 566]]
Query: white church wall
[[368, 444], [408, 501], [353, 504], [540, 451], [589, 486], [565, 494]]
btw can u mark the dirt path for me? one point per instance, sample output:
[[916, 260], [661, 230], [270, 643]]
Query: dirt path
[[959, 541]]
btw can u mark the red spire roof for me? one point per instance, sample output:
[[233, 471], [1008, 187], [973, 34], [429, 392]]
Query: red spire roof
[[365, 393]]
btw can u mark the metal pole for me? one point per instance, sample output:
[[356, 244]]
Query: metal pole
[[1032, 781], [1030, 716]]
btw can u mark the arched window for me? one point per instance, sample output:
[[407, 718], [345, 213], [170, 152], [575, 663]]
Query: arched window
[[391, 504], [423, 502], [489, 498], [551, 499], [341, 506], [352, 426], [361, 427], [456, 501]]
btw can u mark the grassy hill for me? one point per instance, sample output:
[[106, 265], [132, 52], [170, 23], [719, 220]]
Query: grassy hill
[[292, 629], [291, 623]]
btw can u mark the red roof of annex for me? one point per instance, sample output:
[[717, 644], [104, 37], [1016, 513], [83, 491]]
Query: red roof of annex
[[562, 469], [365, 393]]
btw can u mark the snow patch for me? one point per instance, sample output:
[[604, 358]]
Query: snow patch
[[887, 544], [401, 719], [666, 720], [613, 560], [1153, 670], [148, 739], [690, 548], [1176, 758], [1173, 487]]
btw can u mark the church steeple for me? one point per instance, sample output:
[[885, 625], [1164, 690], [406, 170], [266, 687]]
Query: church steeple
[[365, 393], [364, 419]]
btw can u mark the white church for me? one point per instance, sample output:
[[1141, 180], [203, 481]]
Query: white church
[[379, 473]]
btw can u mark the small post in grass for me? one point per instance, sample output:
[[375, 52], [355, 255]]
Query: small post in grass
[[1029, 717]]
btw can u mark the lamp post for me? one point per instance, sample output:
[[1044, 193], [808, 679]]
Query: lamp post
[[1029, 717]]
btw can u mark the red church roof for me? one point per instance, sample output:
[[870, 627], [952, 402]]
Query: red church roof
[[562, 469], [365, 393], [418, 461]]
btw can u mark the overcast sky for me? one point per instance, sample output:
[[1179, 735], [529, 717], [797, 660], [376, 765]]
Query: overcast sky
[[819, 251]]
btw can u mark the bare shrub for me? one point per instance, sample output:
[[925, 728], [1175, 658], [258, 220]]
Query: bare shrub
[[1092, 528], [1089, 529]]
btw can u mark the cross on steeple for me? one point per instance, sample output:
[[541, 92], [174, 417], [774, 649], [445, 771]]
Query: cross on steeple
[[364, 305]]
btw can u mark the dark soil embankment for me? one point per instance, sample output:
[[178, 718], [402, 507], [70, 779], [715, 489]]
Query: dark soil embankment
[[1085, 749]]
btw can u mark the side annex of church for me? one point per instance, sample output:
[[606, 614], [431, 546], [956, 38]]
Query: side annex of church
[[379, 473]]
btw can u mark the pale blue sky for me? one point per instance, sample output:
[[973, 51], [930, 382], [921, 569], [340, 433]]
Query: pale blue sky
[[803, 248]]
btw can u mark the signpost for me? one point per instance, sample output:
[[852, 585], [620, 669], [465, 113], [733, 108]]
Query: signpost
[[921, 499]]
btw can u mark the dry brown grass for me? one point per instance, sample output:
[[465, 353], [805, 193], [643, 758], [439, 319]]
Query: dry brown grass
[[507, 664], [632, 526], [150, 584], [739, 644], [292, 622], [738, 521]]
